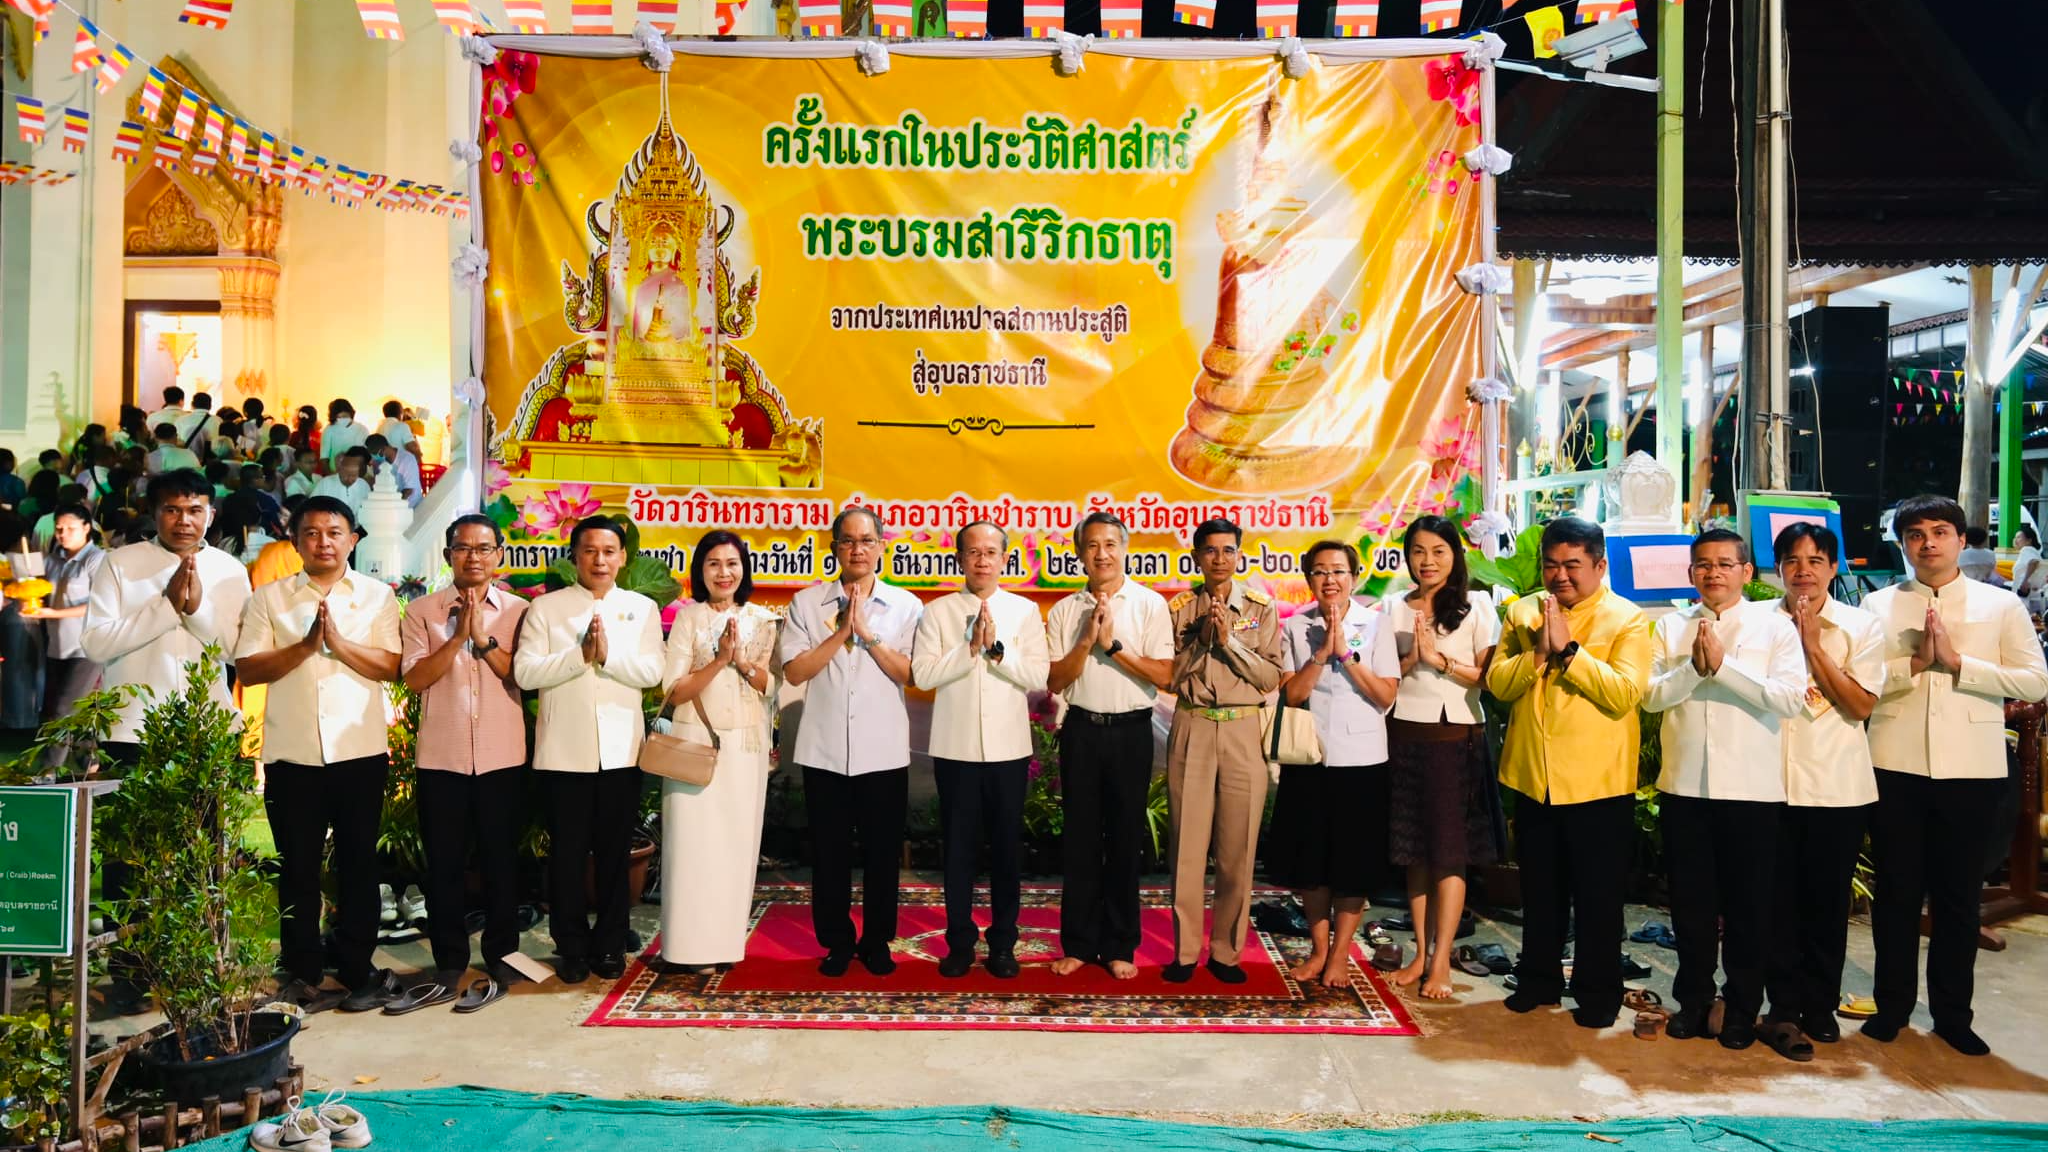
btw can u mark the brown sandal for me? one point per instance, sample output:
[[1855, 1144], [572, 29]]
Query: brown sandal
[[1650, 1021]]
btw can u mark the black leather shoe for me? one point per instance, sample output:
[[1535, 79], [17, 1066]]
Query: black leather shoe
[[1177, 973], [836, 962], [1227, 973], [1521, 1001], [957, 964], [878, 963], [608, 967], [1737, 1036], [1882, 1029], [1686, 1023], [1594, 1015], [1961, 1038], [381, 989], [572, 971], [1821, 1028], [1003, 966]]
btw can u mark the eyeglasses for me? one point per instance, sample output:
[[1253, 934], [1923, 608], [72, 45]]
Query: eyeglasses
[[473, 550], [858, 543], [1705, 566]]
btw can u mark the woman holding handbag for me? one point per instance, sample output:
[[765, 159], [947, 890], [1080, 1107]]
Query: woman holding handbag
[[1442, 813], [1329, 834], [721, 687]]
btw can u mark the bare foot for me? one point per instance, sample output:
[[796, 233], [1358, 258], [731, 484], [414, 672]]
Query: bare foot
[[1308, 969], [1123, 969], [1338, 974], [1410, 972], [1067, 965], [1438, 987]]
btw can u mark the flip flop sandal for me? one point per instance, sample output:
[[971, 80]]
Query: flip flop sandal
[[1789, 1042], [1650, 1021], [1495, 958], [1661, 935], [1641, 999], [1858, 1008], [420, 996], [1648, 933], [1387, 957], [1468, 961], [482, 993]]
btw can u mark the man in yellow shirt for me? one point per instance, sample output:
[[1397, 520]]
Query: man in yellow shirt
[[1572, 667]]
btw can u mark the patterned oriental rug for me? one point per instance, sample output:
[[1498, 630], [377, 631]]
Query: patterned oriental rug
[[778, 985]]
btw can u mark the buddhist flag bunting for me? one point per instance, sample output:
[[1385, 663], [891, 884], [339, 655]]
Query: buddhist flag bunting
[[43, 25], [113, 67], [662, 14], [266, 153], [33, 118], [1123, 19], [168, 154], [1356, 18], [77, 128], [1601, 11], [294, 167], [1200, 13], [207, 13], [1442, 15], [456, 16], [591, 17], [818, 17], [1041, 17], [894, 17], [527, 16], [238, 137], [40, 9], [380, 19], [203, 161], [1546, 26], [727, 16], [215, 124], [128, 142], [186, 116], [85, 48], [968, 19], [153, 87], [1276, 18]]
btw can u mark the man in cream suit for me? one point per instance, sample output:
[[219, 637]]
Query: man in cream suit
[[1955, 651], [981, 650], [1726, 673], [590, 650]]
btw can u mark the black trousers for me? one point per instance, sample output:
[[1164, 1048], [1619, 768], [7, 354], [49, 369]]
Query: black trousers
[[456, 813], [1723, 858], [117, 877], [982, 800], [1927, 839], [305, 802], [871, 805], [1816, 858], [590, 818], [1574, 864], [1105, 771]]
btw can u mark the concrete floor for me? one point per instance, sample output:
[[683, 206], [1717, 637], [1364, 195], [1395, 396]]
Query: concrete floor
[[1475, 1059]]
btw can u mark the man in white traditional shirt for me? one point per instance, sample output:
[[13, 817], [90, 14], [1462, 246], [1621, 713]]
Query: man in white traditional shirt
[[172, 411], [405, 468], [348, 484], [849, 640], [326, 642], [155, 607], [1955, 651], [982, 651], [590, 650], [196, 428], [1727, 673], [1829, 788], [1115, 646]]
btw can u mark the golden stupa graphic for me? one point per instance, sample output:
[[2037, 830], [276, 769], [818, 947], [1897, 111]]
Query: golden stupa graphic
[[659, 392], [1264, 418]]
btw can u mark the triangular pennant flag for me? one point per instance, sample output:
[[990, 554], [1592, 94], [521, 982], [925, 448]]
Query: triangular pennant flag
[[1354, 18], [1276, 18], [527, 16], [168, 154], [591, 17], [77, 129], [207, 13], [662, 14], [380, 19], [153, 86], [33, 118], [968, 19], [85, 48], [818, 17], [114, 67], [186, 116], [1442, 15], [894, 17], [457, 16], [1200, 13], [1042, 17], [128, 142]]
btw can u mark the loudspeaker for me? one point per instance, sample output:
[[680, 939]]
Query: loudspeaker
[[1839, 415]]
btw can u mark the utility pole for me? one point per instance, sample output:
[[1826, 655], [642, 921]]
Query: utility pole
[[1671, 236], [1761, 221]]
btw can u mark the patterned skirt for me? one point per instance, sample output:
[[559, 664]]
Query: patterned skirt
[[1437, 795]]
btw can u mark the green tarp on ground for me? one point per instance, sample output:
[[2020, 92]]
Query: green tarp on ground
[[488, 1120]]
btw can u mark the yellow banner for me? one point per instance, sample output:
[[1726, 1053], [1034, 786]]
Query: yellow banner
[[749, 292]]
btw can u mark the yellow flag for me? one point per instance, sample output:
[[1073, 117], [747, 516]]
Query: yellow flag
[[1545, 26]]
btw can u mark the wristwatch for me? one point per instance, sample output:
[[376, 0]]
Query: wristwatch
[[1115, 646], [1565, 654], [994, 651], [476, 649]]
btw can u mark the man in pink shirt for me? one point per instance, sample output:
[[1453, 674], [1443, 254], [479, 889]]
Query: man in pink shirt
[[456, 655]]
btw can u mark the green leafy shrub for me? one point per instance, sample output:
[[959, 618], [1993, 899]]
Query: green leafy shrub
[[35, 1070]]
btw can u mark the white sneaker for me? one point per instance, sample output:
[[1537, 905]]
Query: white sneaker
[[388, 914], [346, 1127], [298, 1131], [412, 907]]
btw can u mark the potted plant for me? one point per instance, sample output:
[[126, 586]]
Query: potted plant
[[196, 911], [35, 1070]]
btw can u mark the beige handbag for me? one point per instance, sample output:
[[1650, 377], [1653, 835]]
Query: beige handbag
[[1288, 734], [684, 761]]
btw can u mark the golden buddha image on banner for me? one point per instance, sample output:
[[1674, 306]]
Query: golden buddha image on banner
[[748, 292]]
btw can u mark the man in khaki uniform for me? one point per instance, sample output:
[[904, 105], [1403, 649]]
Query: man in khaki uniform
[[1226, 659]]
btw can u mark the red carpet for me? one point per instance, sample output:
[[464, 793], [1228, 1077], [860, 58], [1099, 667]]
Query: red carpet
[[778, 984]]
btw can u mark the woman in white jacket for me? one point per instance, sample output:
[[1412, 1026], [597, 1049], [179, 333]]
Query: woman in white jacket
[[590, 650]]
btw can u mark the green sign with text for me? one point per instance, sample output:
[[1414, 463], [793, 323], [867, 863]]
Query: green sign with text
[[38, 836]]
